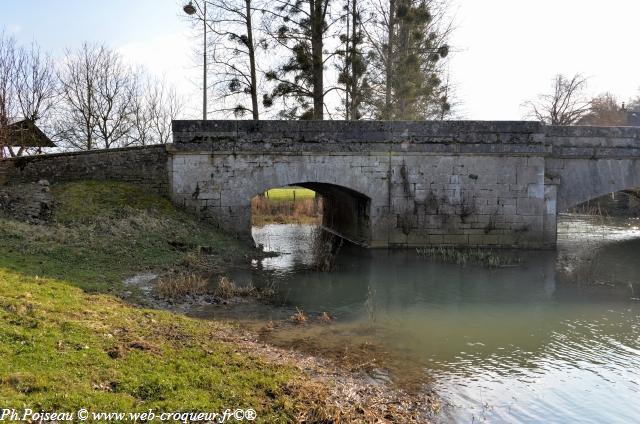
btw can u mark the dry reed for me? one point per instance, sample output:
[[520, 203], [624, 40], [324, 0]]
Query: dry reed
[[179, 286]]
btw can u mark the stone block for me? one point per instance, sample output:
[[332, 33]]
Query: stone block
[[529, 174], [527, 206], [456, 239], [535, 191]]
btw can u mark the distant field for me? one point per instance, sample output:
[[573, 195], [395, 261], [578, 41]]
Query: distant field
[[290, 193]]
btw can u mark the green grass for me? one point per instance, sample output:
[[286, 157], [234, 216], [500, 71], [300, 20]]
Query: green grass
[[289, 194], [55, 345], [91, 200], [66, 341]]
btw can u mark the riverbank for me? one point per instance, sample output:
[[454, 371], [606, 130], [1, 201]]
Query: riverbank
[[75, 334]]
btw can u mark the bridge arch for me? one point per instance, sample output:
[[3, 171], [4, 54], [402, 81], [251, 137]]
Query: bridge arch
[[345, 211], [581, 180], [220, 187]]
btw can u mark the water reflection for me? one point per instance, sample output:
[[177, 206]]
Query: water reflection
[[504, 345]]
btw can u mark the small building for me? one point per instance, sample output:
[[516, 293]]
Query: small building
[[22, 134]]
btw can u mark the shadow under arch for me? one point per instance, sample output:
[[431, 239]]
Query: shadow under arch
[[624, 199], [345, 212]]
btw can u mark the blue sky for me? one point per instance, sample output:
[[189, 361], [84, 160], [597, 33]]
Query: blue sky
[[152, 33], [507, 51], [56, 24]]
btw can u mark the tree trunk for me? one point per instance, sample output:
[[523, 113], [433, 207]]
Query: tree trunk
[[402, 42], [87, 113], [348, 80], [389, 62], [316, 53], [355, 98], [252, 63]]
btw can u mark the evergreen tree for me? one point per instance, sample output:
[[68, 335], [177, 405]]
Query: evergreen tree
[[353, 67], [301, 30], [408, 45]]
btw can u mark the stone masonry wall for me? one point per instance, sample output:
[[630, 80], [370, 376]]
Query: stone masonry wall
[[588, 162], [144, 166], [415, 200]]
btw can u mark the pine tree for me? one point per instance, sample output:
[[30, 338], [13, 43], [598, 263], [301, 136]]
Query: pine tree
[[301, 30], [408, 47], [352, 69]]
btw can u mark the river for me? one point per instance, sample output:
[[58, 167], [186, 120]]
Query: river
[[554, 339]]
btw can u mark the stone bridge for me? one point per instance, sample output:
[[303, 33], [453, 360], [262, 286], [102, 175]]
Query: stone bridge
[[405, 184]]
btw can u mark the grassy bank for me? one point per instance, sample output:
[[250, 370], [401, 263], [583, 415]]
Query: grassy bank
[[68, 341], [63, 349], [103, 232]]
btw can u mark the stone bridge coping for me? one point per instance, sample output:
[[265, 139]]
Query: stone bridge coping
[[438, 137]]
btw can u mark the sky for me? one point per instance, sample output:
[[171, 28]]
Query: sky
[[505, 52]]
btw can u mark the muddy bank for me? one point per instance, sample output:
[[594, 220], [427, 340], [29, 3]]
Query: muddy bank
[[344, 384]]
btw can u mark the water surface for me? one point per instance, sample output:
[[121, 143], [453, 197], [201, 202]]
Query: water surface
[[553, 340]]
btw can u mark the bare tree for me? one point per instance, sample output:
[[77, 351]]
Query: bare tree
[[605, 110], [155, 106], [27, 89], [565, 105], [36, 83], [165, 106], [141, 132], [116, 89], [634, 104], [232, 53], [77, 121], [8, 103], [98, 99]]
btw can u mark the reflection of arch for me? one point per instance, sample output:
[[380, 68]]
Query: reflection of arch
[[345, 211]]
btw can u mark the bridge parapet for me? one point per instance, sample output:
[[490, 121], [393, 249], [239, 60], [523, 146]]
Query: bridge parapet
[[437, 137], [593, 142]]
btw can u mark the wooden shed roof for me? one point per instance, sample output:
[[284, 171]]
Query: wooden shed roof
[[25, 133]]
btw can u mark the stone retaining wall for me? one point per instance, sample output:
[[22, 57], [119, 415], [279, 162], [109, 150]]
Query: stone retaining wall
[[143, 166]]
